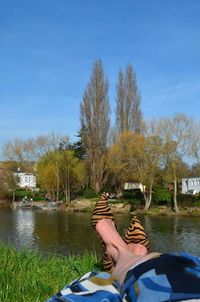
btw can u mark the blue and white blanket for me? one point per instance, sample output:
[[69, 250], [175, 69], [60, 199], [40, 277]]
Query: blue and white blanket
[[168, 277]]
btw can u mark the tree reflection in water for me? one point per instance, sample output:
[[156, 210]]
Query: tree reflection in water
[[62, 233]]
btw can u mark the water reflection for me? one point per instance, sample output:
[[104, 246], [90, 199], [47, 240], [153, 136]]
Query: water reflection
[[64, 233], [24, 225], [174, 233]]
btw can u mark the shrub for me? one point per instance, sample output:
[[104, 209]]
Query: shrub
[[161, 196], [132, 194], [196, 197], [197, 203], [185, 199], [89, 193], [133, 197], [22, 193], [35, 195]]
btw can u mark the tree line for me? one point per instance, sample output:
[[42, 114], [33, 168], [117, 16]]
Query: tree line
[[150, 152]]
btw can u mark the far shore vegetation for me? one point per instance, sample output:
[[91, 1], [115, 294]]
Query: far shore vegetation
[[27, 276], [156, 154], [130, 201]]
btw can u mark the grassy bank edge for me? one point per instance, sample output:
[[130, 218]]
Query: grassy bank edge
[[28, 276]]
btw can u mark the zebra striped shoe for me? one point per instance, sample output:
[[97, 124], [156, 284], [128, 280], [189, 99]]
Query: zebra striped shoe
[[102, 211], [107, 262], [136, 233]]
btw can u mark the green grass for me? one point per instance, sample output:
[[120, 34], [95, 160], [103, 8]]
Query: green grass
[[27, 276]]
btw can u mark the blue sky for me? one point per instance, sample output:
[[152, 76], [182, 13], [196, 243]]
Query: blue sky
[[47, 49]]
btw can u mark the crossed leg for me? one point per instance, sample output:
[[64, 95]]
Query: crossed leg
[[135, 240], [123, 255]]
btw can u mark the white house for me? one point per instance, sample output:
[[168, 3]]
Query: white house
[[134, 185], [191, 185], [26, 180]]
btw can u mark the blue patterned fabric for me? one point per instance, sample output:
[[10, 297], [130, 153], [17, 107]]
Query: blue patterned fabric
[[168, 277]]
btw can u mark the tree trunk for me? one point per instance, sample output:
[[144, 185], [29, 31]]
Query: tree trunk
[[13, 197], [58, 183], [148, 198], [67, 183], [175, 190], [175, 196]]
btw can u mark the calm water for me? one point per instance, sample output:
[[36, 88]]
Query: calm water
[[52, 232]]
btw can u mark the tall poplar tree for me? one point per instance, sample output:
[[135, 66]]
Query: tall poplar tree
[[128, 111], [95, 112]]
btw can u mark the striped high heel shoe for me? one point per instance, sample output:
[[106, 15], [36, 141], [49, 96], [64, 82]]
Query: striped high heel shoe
[[102, 211], [136, 233]]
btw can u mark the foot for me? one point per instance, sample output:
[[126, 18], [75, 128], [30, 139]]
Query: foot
[[110, 237]]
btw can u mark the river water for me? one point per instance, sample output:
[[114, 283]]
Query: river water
[[56, 232]]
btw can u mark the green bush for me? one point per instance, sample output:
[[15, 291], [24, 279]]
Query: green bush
[[185, 199], [89, 193], [161, 196], [36, 196], [197, 203], [22, 193], [134, 198], [135, 194], [196, 197]]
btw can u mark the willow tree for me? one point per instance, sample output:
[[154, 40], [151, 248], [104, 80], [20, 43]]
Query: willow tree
[[95, 111], [60, 173], [135, 157], [128, 101]]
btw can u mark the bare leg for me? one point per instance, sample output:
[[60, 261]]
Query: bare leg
[[102, 211], [123, 255], [114, 242]]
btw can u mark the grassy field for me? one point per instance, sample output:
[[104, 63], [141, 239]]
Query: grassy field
[[27, 276]]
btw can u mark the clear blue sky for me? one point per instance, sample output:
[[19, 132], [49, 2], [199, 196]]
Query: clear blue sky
[[47, 49]]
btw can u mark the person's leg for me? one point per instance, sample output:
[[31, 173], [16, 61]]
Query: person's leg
[[114, 242], [111, 238], [136, 234], [123, 255], [102, 211]]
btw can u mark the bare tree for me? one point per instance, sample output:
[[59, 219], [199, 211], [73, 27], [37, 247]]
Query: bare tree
[[195, 142], [176, 134], [29, 150], [128, 111], [95, 111]]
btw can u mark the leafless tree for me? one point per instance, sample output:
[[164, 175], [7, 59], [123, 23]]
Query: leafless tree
[[195, 143], [128, 111], [95, 111], [176, 133], [25, 151]]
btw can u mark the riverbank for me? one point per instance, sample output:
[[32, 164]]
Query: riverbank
[[118, 207], [166, 211], [26, 276]]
